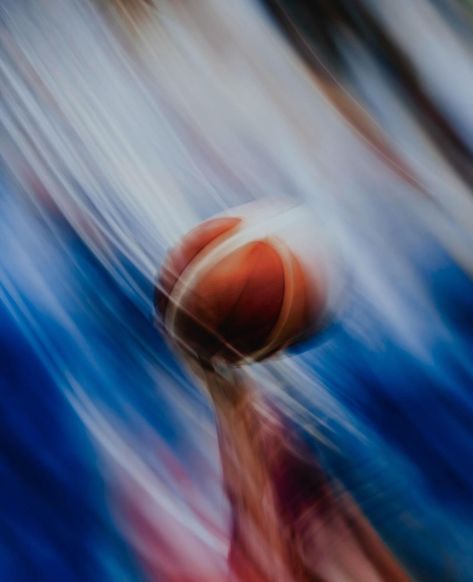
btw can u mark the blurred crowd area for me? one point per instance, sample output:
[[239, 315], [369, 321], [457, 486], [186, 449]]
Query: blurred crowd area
[[123, 124]]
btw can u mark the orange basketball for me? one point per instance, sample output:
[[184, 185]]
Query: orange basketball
[[230, 292]]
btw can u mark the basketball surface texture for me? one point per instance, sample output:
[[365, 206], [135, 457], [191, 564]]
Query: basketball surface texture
[[233, 291]]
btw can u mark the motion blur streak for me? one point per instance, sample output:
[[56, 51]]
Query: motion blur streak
[[124, 124]]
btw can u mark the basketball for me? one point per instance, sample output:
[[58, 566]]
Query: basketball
[[234, 289]]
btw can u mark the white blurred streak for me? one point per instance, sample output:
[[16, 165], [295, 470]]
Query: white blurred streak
[[163, 499], [442, 57], [117, 129]]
